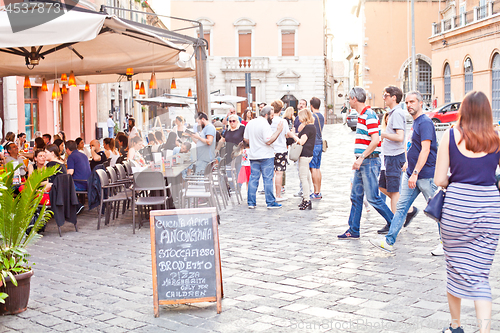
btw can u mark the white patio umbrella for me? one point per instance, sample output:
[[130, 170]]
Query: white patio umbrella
[[165, 101], [97, 47]]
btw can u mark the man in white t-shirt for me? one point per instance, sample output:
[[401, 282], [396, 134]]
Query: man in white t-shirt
[[260, 137], [111, 126], [280, 150]]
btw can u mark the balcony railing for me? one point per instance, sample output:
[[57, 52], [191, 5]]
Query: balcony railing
[[478, 13], [245, 64]]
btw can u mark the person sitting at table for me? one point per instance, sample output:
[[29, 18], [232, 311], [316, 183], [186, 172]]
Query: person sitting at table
[[9, 137], [179, 128], [39, 144], [111, 152], [78, 166], [133, 152], [171, 141], [183, 149], [80, 144], [38, 161], [123, 142], [13, 152], [21, 140], [98, 155], [158, 141], [53, 159], [47, 137], [62, 151], [62, 135]]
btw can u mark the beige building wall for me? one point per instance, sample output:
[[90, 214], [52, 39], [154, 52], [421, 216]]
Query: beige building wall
[[274, 75], [477, 40], [386, 46]]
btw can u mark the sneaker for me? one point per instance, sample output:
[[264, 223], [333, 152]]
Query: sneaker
[[251, 207], [274, 205], [283, 190], [316, 196], [80, 209], [298, 194], [262, 192], [384, 230], [381, 244], [410, 216], [347, 235], [438, 251], [281, 199]]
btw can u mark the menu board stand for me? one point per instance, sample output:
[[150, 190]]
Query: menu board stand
[[185, 257]]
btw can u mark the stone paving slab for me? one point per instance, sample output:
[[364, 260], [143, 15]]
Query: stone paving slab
[[283, 271]]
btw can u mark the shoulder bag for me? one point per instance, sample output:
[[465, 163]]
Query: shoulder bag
[[435, 205], [295, 151], [325, 144]]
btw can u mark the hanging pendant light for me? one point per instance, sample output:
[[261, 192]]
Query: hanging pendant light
[[27, 82], [56, 93], [72, 80], [137, 87], [87, 86], [190, 93], [173, 85], [44, 85], [152, 82], [143, 90], [130, 71], [64, 90], [64, 77]]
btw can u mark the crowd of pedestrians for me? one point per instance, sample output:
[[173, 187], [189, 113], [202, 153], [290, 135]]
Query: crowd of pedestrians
[[465, 164]]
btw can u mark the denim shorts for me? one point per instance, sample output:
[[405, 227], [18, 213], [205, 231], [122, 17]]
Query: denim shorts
[[390, 178], [316, 160]]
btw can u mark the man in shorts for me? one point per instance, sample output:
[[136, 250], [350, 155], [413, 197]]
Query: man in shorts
[[315, 164], [393, 148]]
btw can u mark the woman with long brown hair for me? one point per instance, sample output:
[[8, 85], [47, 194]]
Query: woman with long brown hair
[[470, 224]]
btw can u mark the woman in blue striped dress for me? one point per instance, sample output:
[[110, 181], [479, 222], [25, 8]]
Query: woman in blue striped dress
[[470, 225]]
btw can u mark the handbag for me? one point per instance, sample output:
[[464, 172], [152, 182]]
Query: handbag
[[295, 151], [324, 143], [434, 208]]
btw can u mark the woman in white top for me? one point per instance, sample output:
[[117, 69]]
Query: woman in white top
[[110, 150]]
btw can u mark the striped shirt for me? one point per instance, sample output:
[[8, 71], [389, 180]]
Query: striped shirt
[[368, 124]]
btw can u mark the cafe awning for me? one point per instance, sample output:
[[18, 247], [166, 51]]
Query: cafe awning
[[96, 46]]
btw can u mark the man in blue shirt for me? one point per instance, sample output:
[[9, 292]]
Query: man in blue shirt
[[78, 166], [419, 175], [315, 164]]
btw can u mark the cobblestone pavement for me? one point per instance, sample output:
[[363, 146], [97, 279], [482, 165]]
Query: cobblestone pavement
[[283, 271]]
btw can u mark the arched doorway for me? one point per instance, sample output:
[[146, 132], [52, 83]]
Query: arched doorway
[[495, 86], [447, 84], [424, 79], [290, 100]]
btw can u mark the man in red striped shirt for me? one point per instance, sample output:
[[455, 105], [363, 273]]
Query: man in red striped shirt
[[367, 165]]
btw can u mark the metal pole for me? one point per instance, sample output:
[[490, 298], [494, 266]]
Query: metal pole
[[201, 75], [413, 58]]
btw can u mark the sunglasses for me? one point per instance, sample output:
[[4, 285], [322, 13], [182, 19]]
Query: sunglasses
[[232, 121], [384, 95]]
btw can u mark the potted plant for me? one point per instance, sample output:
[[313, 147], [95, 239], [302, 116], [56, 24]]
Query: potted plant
[[17, 232]]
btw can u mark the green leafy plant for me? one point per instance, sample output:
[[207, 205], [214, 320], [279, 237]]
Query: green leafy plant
[[16, 213]]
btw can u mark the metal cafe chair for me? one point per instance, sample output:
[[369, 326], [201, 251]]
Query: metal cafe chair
[[233, 177], [112, 195], [201, 187], [114, 180], [144, 183]]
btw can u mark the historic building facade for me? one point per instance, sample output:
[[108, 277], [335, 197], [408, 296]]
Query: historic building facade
[[466, 51]]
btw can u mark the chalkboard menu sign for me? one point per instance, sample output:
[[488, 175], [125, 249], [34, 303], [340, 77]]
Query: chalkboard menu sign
[[185, 257]]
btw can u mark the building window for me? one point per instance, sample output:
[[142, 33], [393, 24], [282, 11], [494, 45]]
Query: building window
[[244, 48], [82, 114], [495, 87], [447, 84], [468, 73], [424, 79], [30, 112], [288, 43]]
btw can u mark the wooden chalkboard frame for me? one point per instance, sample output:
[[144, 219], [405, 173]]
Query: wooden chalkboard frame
[[218, 270]]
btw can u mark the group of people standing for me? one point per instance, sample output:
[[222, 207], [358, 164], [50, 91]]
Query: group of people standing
[[465, 164]]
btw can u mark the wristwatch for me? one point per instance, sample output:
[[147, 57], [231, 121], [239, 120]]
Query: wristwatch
[[415, 172]]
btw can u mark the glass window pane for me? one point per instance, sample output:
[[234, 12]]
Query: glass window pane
[[35, 117]]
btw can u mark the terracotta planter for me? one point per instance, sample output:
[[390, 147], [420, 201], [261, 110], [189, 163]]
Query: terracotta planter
[[17, 301]]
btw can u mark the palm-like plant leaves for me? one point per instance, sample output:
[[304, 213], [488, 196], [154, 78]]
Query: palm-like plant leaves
[[16, 213]]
